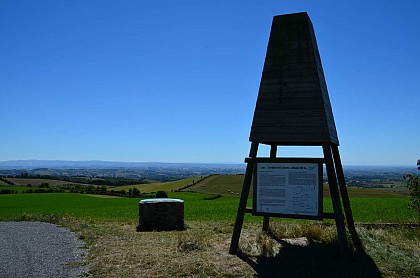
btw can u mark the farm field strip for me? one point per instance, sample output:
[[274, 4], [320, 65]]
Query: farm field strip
[[36, 182], [164, 186], [18, 189], [13, 206]]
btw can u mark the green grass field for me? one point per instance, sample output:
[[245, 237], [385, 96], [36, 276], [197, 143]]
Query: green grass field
[[368, 205], [13, 206], [18, 189], [107, 225]]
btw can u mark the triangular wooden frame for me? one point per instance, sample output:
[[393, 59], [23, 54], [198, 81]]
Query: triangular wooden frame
[[338, 191], [293, 108]]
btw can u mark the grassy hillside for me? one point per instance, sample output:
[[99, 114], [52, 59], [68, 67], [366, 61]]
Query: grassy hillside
[[232, 185], [221, 184], [225, 185], [2, 183], [165, 186], [36, 182], [216, 184]]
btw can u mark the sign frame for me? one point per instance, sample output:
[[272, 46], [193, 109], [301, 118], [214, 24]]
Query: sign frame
[[297, 162]]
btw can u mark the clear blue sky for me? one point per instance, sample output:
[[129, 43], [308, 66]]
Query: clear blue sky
[[177, 81]]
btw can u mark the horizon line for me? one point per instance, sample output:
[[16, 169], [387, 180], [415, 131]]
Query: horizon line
[[165, 162]]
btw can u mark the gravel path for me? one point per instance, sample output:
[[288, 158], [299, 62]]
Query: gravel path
[[37, 249]]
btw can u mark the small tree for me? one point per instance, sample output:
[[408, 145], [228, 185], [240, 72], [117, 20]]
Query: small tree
[[136, 192], [161, 194], [414, 187]]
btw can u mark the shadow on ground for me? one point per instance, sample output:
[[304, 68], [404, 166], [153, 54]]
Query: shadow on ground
[[313, 260]]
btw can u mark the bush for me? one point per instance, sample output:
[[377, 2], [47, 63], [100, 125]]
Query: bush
[[161, 194], [44, 185], [413, 185], [136, 192]]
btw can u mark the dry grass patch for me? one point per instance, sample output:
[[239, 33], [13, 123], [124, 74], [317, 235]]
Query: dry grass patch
[[313, 231], [255, 242], [395, 250], [117, 250]]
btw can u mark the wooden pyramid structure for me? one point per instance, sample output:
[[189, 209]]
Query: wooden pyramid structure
[[293, 108]]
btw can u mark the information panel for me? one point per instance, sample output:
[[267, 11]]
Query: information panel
[[288, 189]]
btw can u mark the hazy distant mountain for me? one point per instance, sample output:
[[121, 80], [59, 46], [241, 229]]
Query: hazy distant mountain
[[174, 171], [98, 164]]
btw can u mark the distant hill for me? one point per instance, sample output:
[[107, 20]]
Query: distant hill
[[149, 171], [360, 176], [231, 185], [99, 164], [214, 184]]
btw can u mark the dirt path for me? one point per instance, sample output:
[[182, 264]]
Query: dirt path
[[37, 249]]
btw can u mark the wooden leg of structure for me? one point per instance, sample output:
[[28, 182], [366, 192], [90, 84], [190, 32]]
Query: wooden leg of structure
[[345, 198], [266, 224], [335, 198], [266, 221], [242, 202]]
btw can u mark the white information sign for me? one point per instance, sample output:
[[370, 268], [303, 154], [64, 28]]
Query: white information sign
[[287, 188]]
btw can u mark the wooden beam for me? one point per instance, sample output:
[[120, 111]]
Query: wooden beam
[[284, 160], [266, 221], [242, 202], [346, 200], [328, 215], [248, 210], [335, 198]]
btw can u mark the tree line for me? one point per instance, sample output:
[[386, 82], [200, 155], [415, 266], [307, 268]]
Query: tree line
[[110, 181]]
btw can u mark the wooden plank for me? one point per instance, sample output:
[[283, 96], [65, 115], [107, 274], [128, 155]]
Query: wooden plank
[[266, 220], [284, 160], [335, 199], [290, 121], [346, 200], [242, 202], [328, 215], [288, 56], [299, 79], [280, 77], [248, 210], [289, 113], [293, 67], [293, 104], [287, 127], [283, 60], [274, 135], [279, 92], [291, 139], [292, 87], [309, 130]]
